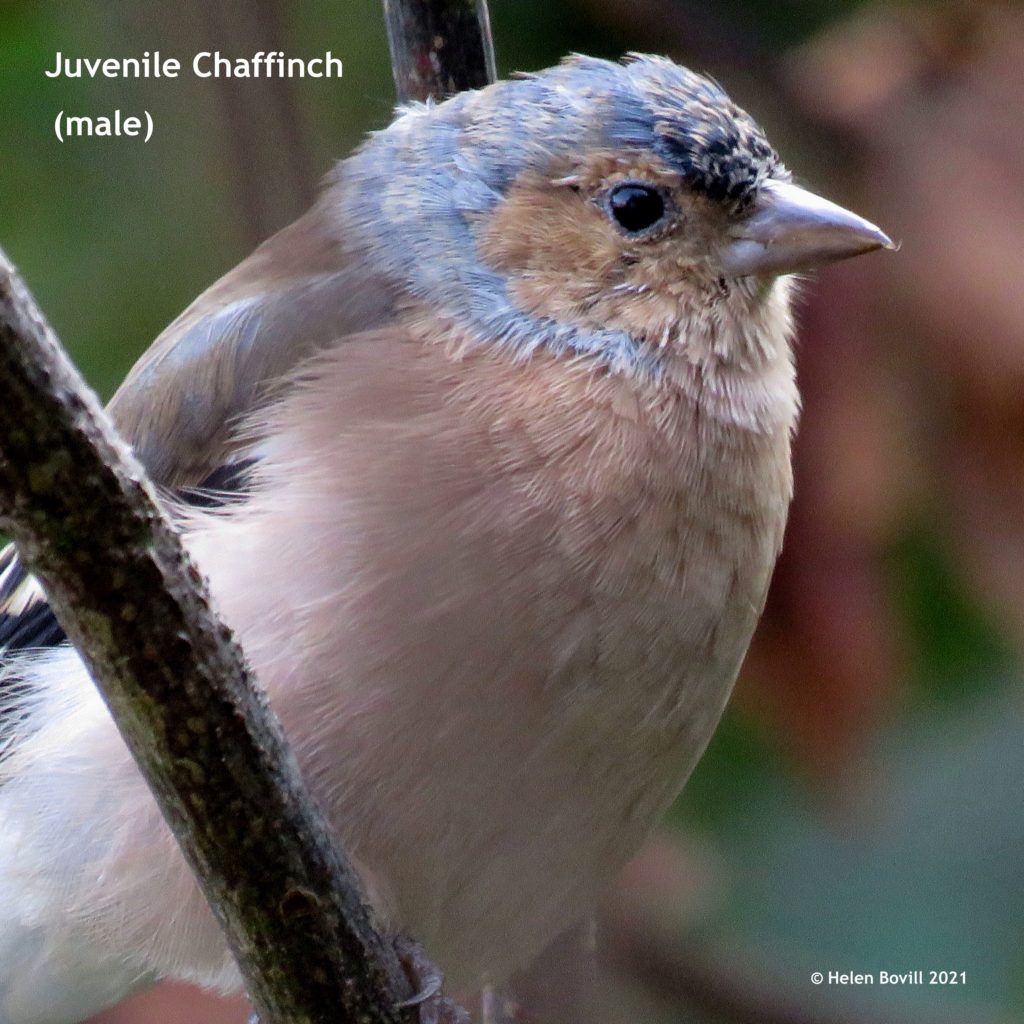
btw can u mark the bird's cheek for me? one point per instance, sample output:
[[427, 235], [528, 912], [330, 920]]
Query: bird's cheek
[[548, 232]]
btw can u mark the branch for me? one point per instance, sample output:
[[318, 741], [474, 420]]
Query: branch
[[87, 524], [439, 47]]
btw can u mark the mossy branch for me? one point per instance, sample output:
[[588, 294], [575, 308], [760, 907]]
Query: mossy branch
[[87, 524]]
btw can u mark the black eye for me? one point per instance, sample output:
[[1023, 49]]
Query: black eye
[[636, 207]]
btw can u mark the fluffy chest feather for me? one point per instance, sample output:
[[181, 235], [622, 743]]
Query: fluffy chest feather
[[531, 592], [498, 607]]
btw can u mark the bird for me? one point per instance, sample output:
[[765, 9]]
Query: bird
[[486, 459]]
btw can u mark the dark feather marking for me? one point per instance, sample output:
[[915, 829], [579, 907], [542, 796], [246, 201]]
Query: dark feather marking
[[37, 626], [225, 485]]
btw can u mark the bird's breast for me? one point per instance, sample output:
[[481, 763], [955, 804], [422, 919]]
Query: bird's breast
[[509, 600]]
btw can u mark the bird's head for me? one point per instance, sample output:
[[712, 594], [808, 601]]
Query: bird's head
[[620, 211]]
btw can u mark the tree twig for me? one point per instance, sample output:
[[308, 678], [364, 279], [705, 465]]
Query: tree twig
[[439, 47], [86, 522]]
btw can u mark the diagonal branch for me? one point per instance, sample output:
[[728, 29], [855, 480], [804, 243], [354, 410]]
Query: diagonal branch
[[87, 524]]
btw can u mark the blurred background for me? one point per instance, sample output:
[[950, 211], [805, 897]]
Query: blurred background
[[862, 806]]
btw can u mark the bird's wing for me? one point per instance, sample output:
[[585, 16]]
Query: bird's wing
[[299, 292]]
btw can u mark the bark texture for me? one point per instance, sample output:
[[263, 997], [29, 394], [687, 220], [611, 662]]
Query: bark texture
[[87, 523]]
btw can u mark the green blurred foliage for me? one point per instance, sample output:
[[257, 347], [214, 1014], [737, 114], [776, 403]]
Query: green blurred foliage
[[956, 650]]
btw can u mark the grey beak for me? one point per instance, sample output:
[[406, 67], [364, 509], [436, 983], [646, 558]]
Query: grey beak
[[790, 229]]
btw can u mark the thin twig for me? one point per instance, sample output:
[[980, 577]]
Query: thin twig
[[86, 523], [439, 47]]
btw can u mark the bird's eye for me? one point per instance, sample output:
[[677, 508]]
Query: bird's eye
[[636, 207]]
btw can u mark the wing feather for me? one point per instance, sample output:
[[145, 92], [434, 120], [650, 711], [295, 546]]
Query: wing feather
[[297, 294], [300, 292]]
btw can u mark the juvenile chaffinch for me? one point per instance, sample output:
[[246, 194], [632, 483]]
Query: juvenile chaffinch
[[487, 460]]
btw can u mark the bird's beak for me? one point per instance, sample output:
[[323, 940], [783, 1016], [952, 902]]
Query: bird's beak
[[789, 229]]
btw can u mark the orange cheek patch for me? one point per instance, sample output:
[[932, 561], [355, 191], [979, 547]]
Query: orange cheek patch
[[542, 228], [557, 247]]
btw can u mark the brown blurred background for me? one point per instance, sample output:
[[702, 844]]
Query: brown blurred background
[[861, 808]]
